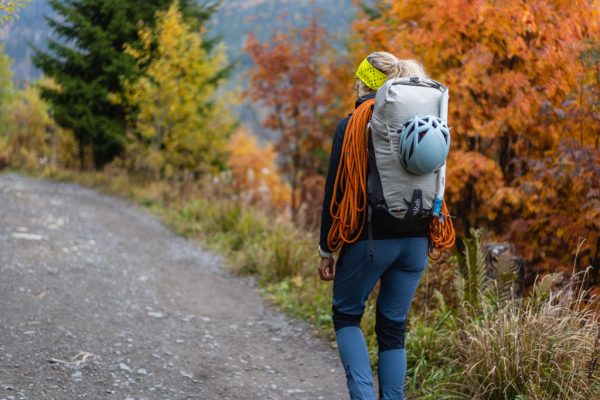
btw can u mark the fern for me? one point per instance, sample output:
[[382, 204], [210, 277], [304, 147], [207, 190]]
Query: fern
[[506, 277], [485, 272], [473, 282], [502, 268]]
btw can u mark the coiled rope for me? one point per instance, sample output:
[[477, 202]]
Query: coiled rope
[[441, 233], [348, 212], [351, 181]]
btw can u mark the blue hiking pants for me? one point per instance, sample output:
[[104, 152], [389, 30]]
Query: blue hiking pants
[[399, 264]]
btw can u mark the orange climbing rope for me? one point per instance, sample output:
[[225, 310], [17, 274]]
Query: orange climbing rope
[[441, 233], [351, 181], [351, 184]]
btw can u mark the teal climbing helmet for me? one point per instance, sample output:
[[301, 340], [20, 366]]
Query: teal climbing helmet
[[424, 144]]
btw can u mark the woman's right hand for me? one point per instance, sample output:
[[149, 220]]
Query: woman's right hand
[[327, 268]]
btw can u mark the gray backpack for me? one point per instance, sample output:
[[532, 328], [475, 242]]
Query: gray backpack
[[400, 202]]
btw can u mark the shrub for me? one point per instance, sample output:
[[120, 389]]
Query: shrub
[[34, 141], [255, 178]]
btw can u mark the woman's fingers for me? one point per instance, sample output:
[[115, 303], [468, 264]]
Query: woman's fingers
[[327, 269], [332, 268]]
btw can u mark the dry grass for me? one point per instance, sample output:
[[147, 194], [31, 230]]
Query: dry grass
[[539, 350]]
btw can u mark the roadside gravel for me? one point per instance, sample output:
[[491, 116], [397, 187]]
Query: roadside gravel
[[98, 300]]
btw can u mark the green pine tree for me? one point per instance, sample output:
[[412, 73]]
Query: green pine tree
[[89, 64]]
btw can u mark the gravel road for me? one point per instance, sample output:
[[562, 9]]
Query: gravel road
[[98, 300]]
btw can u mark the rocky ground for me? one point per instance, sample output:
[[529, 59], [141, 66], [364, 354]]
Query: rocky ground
[[98, 300]]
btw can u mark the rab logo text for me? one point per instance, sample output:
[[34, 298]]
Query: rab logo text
[[417, 207]]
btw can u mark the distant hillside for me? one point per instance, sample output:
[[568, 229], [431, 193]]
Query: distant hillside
[[30, 28], [233, 21], [263, 17]]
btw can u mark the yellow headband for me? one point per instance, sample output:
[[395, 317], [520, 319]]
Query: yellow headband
[[371, 76]]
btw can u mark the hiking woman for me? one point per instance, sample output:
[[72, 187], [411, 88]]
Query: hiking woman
[[396, 260]]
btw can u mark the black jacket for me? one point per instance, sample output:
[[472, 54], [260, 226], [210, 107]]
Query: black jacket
[[334, 161]]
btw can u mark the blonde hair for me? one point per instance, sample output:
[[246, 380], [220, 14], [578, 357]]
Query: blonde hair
[[392, 67]]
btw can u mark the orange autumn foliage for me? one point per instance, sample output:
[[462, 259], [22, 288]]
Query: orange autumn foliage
[[255, 177], [291, 83], [473, 176], [553, 211], [518, 87]]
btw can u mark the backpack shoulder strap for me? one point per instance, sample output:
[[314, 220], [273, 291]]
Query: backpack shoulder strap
[[374, 187]]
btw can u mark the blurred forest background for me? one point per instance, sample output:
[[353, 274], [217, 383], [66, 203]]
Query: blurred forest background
[[219, 116]]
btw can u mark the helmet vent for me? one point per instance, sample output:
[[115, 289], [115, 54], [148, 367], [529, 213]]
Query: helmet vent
[[423, 144]]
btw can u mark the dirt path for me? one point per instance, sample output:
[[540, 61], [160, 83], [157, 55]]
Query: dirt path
[[98, 300]]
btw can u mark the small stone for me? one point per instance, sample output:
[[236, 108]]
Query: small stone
[[186, 374], [124, 367], [186, 318], [27, 236], [156, 314], [142, 371]]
